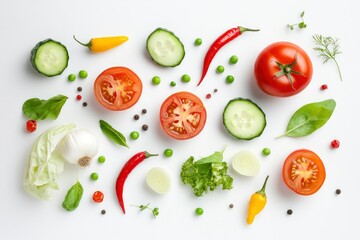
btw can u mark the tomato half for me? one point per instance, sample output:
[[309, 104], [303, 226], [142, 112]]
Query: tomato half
[[283, 69], [303, 172], [117, 88], [182, 115]]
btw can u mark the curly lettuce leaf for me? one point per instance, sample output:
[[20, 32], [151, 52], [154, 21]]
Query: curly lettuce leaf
[[204, 176], [44, 164]]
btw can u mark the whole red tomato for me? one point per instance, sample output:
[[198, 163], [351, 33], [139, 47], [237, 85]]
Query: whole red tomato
[[283, 69]]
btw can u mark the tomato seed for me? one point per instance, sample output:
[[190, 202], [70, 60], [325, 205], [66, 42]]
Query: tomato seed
[[335, 143]]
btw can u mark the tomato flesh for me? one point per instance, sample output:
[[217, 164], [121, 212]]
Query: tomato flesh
[[303, 172], [295, 77], [117, 88], [182, 115]]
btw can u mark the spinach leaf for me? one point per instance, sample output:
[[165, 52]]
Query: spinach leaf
[[309, 118], [40, 109], [73, 197], [112, 134]]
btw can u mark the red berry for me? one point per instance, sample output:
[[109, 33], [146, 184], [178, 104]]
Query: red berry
[[30, 125], [208, 96], [324, 87], [78, 97], [335, 143]]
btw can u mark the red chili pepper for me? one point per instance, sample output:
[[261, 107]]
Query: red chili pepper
[[125, 171], [225, 38]]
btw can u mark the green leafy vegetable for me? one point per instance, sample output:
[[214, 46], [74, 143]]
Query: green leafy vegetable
[[112, 134], [309, 118], [206, 174], [328, 48], [40, 109], [73, 197], [301, 24], [44, 164]]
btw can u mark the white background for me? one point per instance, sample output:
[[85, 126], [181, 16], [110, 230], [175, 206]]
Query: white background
[[323, 215]]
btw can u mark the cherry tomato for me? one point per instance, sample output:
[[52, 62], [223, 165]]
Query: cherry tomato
[[31, 125], [182, 115], [283, 69], [303, 172], [98, 197], [117, 88]]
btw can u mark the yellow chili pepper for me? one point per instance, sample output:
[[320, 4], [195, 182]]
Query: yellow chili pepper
[[103, 44], [257, 203]]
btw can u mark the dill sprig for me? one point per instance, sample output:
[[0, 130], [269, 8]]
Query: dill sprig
[[328, 48]]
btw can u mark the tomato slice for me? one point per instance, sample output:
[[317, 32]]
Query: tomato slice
[[182, 115], [304, 172], [117, 88]]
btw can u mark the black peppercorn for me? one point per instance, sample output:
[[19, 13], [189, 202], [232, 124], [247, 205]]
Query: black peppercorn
[[79, 89], [136, 117], [289, 211], [103, 212], [145, 127], [84, 104], [143, 111], [338, 191]]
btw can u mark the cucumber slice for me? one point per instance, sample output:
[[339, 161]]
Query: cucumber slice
[[158, 180], [244, 119], [246, 163], [165, 48], [49, 57]]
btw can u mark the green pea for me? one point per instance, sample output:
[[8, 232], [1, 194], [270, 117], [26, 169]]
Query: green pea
[[230, 79], [198, 42], [220, 69], [199, 211], [101, 159], [71, 77], [83, 74], [185, 78], [168, 152], [172, 84], [266, 151], [233, 59], [134, 135], [156, 80], [94, 176]]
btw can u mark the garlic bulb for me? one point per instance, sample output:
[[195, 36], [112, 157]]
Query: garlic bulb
[[78, 147]]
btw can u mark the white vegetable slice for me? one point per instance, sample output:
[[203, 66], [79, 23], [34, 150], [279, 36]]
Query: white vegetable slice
[[158, 180], [246, 163]]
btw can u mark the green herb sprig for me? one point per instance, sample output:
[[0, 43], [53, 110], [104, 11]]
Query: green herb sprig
[[328, 48], [155, 211], [301, 24], [112, 134]]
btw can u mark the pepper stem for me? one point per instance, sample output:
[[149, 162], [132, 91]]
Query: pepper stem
[[244, 29], [262, 190], [84, 44], [147, 155]]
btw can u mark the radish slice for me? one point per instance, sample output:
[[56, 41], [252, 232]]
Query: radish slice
[[246, 163], [158, 180]]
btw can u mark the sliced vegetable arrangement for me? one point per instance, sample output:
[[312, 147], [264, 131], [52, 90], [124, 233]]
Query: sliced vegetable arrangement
[[281, 69]]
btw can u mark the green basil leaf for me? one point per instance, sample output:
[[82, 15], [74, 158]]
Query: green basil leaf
[[112, 134], [73, 197], [309, 118], [40, 109]]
